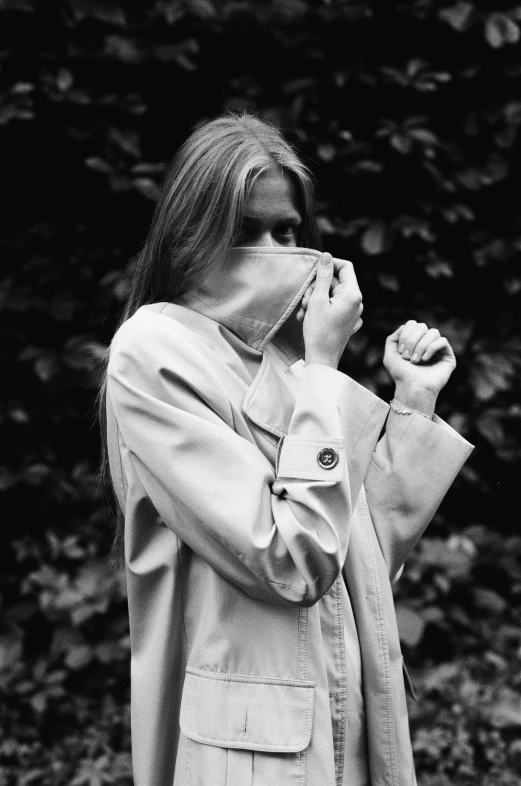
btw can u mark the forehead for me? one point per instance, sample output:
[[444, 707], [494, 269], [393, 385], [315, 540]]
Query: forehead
[[273, 196]]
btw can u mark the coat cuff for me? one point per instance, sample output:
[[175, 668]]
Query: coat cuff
[[304, 458], [450, 449], [331, 411]]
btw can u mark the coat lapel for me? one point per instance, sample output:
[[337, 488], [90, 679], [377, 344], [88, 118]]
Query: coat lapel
[[270, 400]]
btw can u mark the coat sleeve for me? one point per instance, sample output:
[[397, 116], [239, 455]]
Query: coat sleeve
[[412, 468], [280, 534]]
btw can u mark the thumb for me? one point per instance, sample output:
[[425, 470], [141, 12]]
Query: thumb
[[324, 277], [394, 337]]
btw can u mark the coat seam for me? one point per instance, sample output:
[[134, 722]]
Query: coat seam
[[390, 726], [366, 427], [341, 738]]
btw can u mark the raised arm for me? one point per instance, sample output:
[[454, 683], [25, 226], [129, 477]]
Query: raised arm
[[419, 456]]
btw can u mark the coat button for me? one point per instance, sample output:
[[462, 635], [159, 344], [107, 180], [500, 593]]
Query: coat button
[[327, 458]]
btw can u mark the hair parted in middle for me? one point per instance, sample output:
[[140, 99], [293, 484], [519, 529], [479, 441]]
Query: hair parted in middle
[[200, 209]]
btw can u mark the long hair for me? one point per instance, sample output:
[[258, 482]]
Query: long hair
[[197, 218]]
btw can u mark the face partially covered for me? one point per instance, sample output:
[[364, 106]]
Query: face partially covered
[[271, 216]]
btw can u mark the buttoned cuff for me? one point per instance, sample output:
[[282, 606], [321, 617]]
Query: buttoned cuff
[[313, 458]]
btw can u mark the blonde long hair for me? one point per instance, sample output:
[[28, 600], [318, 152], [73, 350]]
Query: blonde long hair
[[197, 218]]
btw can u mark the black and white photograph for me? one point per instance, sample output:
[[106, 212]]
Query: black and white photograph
[[260, 416]]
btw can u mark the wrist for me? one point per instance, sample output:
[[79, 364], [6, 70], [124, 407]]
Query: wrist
[[421, 399], [321, 361]]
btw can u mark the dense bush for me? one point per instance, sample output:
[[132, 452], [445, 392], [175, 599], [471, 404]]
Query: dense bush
[[409, 115]]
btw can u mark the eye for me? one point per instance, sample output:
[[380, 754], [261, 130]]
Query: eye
[[286, 231]]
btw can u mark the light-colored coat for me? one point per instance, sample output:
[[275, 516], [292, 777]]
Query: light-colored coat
[[240, 547]]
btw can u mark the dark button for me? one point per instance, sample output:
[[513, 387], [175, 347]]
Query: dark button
[[327, 458]]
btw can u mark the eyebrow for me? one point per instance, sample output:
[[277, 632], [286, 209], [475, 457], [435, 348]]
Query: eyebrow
[[290, 218]]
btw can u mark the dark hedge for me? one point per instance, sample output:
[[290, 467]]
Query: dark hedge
[[409, 115]]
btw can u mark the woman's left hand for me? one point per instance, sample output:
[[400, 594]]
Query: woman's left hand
[[417, 357]]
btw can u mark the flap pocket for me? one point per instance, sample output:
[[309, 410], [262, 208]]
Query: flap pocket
[[232, 711]]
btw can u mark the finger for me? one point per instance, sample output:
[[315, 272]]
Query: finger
[[325, 270], [307, 294], [346, 274], [438, 345], [431, 335], [395, 337], [405, 332], [335, 283], [413, 336]]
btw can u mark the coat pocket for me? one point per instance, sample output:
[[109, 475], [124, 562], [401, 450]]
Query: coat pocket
[[241, 730]]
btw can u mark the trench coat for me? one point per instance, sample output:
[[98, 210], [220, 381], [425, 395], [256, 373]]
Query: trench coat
[[241, 541]]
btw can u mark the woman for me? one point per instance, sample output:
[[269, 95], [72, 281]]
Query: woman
[[265, 515]]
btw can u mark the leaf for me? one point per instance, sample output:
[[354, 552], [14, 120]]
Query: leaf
[[490, 426], [7, 478], [326, 151], [389, 281], [326, 226], [512, 112], [401, 142], [10, 649], [17, 5], [83, 354], [488, 600], [203, 9], [78, 656], [107, 12], [374, 237], [178, 53], [453, 557], [505, 711], [46, 367], [411, 625], [423, 135], [492, 373], [128, 141], [64, 80], [93, 578], [501, 30], [147, 187], [123, 49], [457, 16], [98, 165], [439, 268]]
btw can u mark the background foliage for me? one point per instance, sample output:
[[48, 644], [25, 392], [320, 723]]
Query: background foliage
[[409, 114]]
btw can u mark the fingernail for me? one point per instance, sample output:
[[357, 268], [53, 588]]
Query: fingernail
[[325, 260], [415, 357], [402, 347], [406, 354]]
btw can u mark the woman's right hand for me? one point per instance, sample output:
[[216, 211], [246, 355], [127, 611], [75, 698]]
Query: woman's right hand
[[329, 322]]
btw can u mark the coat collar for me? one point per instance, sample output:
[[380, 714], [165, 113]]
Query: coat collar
[[254, 291]]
